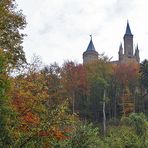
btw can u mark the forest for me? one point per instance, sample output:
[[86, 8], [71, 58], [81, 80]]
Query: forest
[[95, 105]]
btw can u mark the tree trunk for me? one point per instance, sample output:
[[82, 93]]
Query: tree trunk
[[115, 109], [104, 114]]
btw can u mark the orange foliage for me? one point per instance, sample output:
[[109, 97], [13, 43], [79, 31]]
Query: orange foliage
[[56, 133], [28, 96], [31, 118], [60, 135]]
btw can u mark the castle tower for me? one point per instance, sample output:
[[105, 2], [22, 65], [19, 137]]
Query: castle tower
[[128, 55], [90, 55], [128, 42]]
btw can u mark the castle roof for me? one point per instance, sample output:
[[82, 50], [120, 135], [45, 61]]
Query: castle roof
[[128, 30], [91, 46]]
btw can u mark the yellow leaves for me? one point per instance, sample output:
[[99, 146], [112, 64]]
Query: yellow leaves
[[29, 91], [1, 51], [29, 97]]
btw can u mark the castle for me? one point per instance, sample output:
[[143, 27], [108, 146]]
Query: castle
[[128, 55]]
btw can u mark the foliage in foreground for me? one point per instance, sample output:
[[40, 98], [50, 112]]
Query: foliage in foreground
[[124, 135], [84, 135]]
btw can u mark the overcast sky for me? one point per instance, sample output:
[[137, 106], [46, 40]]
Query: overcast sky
[[59, 30]]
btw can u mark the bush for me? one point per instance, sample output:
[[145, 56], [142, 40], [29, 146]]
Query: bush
[[85, 136], [122, 137]]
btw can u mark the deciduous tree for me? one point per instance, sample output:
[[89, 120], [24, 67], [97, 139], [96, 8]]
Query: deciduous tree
[[12, 21]]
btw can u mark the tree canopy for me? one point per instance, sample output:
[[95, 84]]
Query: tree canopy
[[12, 21]]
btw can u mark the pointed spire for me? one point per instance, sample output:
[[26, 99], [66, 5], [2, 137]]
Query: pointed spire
[[137, 48], [128, 30], [120, 47], [137, 53], [91, 45]]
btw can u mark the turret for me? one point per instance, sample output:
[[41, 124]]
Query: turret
[[90, 55], [137, 54], [120, 52]]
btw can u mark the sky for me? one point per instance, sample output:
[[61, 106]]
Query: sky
[[59, 30]]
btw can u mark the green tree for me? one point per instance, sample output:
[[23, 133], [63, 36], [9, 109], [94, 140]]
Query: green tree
[[98, 78], [122, 137], [12, 21], [137, 122], [7, 115], [85, 135], [144, 74], [52, 77], [144, 83]]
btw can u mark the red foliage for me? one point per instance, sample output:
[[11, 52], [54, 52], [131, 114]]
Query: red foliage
[[74, 77], [44, 133], [126, 73]]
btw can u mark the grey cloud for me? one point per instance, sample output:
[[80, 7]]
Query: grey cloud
[[60, 29], [120, 8]]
